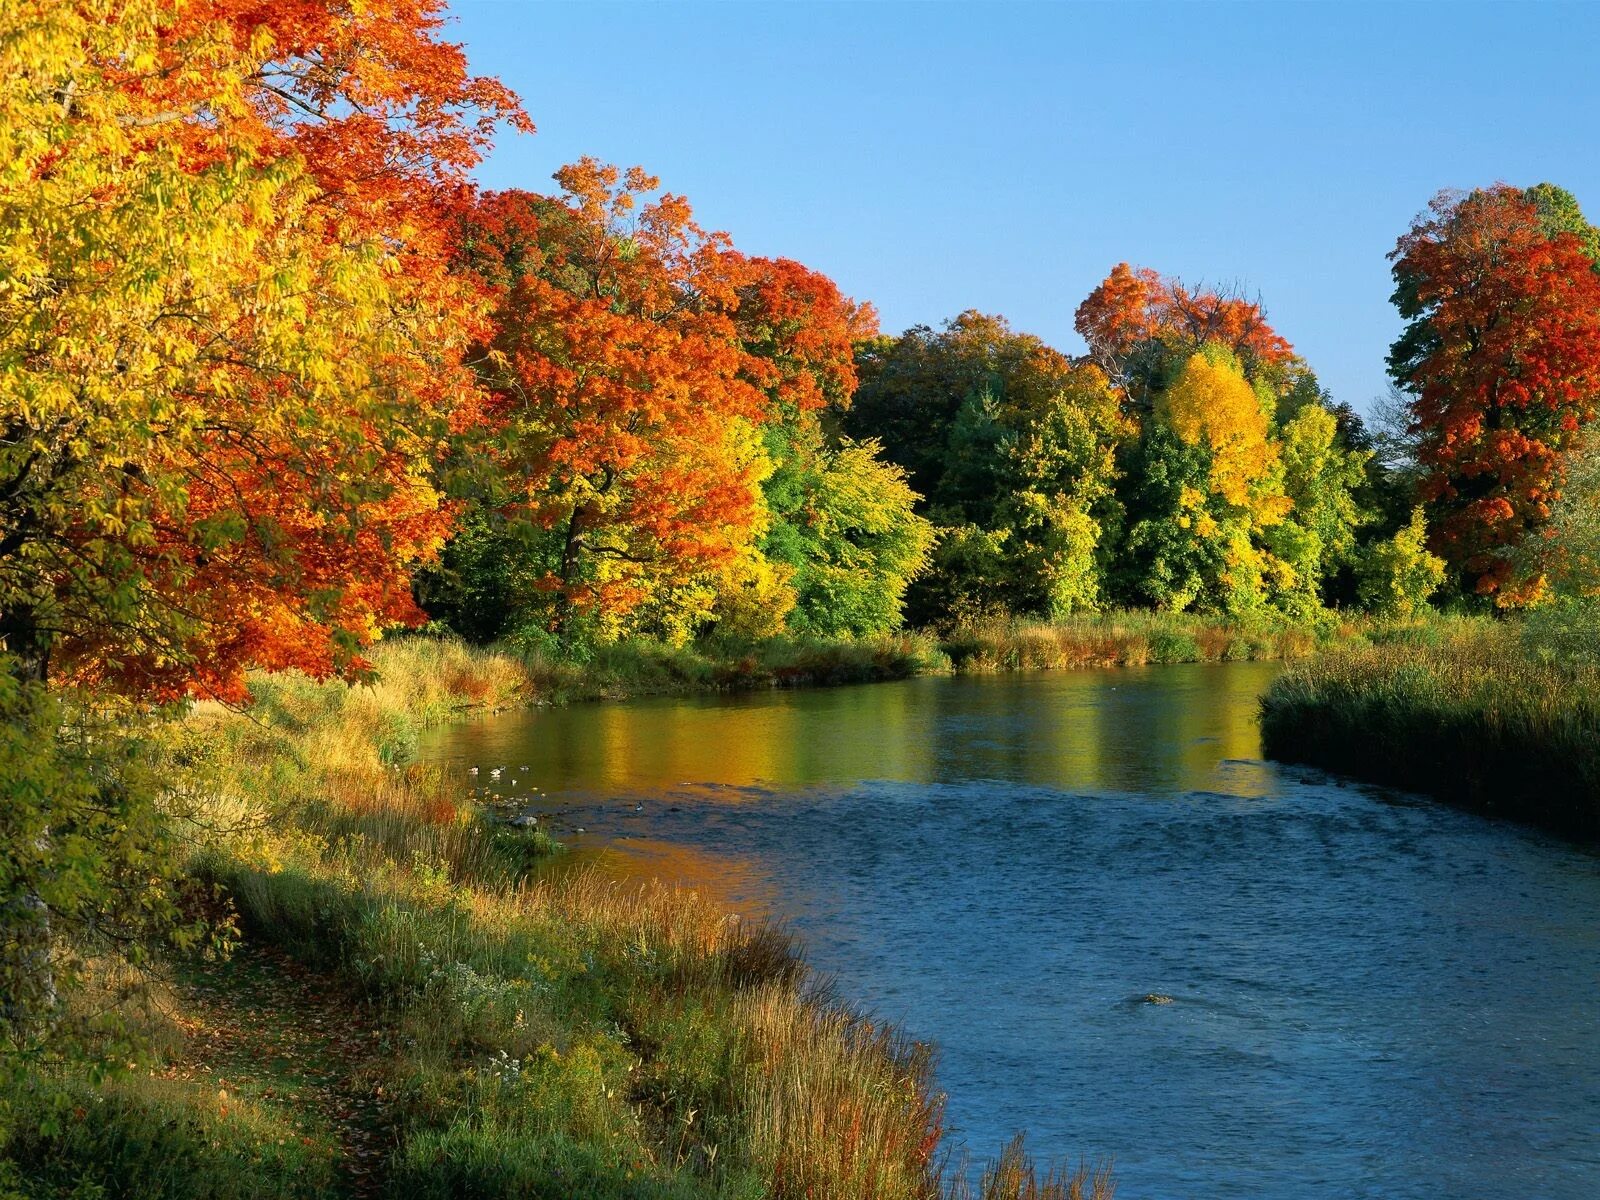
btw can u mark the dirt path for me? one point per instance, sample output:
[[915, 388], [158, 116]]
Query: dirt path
[[263, 1027]]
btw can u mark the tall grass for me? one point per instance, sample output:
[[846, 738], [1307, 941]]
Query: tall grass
[[638, 668], [1462, 710], [1132, 638]]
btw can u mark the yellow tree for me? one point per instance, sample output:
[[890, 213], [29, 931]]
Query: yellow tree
[[1216, 481], [1211, 404], [230, 344]]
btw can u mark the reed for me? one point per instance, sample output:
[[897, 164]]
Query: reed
[[1463, 710], [1120, 639]]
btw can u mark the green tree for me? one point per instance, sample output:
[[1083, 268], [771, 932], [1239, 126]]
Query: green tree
[[913, 387], [1398, 575], [846, 528], [1172, 553], [1322, 480]]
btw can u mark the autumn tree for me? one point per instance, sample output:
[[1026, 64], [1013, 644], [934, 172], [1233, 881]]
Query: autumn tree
[[1139, 324], [1501, 361], [1199, 536], [843, 534], [624, 411], [230, 342], [225, 359]]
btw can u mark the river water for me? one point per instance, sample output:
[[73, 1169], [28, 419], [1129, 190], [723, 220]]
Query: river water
[[1372, 994]]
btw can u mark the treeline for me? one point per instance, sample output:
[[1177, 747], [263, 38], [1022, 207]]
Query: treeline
[[681, 440]]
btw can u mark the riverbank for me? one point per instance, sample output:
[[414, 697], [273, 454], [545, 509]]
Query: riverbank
[[1461, 710], [502, 1033], [641, 668]]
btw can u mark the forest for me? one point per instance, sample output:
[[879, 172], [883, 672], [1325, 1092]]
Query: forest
[[289, 403]]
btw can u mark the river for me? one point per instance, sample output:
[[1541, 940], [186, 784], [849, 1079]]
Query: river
[[1371, 994]]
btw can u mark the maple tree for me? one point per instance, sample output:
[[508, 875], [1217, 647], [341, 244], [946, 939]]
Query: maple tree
[[230, 344], [1501, 362], [1131, 308], [623, 406]]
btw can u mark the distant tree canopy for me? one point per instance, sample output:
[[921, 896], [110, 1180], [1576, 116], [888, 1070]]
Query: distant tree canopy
[[1189, 461]]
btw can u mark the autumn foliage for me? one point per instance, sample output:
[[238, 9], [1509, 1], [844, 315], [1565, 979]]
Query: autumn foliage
[[231, 339], [622, 400], [1132, 306], [1502, 364], [266, 351]]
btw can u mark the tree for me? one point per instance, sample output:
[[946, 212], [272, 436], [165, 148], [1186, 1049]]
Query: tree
[[1323, 481], [1211, 404], [843, 532], [860, 544], [1398, 574], [1056, 471], [230, 341], [224, 369], [624, 408], [913, 387], [1501, 361], [1206, 485], [1129, 310], [1174, 550], [1566, 624], [1013, 444]]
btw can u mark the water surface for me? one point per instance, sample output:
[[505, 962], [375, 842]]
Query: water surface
[[1373, 995]]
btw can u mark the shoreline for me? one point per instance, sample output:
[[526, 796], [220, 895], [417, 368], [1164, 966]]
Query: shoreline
[[1467, 716]]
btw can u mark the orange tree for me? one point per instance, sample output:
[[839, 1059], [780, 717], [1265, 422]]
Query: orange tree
[[229, 339], [1501, 361], [1136, 323], [623, 409]]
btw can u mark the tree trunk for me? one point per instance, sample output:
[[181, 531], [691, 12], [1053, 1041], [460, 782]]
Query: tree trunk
[[569, 568], [25, 935]]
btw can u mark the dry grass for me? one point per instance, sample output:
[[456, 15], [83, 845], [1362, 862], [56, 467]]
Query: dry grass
[[1124, 639], [546, 1033]]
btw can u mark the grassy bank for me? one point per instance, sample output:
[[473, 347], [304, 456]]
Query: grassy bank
[[1098, 640], [1461, 710], [484, 1030], [1122, 639]]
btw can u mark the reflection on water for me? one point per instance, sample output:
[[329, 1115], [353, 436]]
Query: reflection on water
[[1089, 730], [1374, 996]]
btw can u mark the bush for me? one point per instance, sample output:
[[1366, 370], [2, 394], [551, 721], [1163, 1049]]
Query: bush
[[154, 1139]]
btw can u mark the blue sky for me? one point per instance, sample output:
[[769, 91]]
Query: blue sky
[[933, 157]]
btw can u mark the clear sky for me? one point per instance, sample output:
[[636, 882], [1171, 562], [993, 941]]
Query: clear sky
[[933, 157]]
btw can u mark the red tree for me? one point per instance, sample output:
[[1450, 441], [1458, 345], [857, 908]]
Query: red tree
[[240, 340], [1502, 362], [800, 331], [623, 401]]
